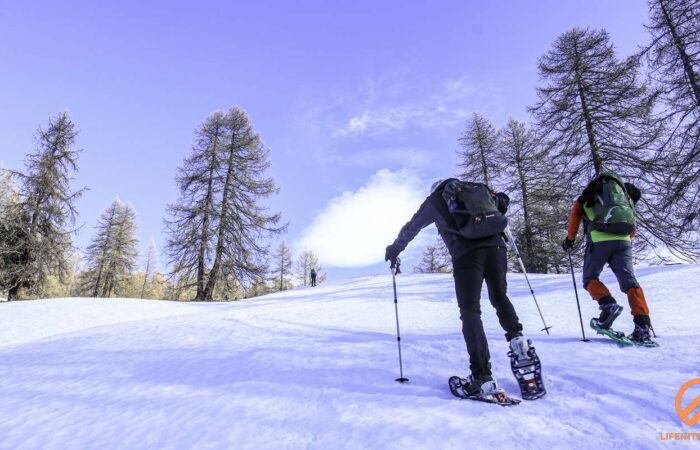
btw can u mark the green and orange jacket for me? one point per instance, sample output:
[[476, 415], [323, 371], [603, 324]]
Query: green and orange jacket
[[578, 213]]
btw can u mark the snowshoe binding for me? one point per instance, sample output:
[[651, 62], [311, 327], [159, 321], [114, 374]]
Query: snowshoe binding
[[642, 336], [486, 391], [617, 336], [526, 368]]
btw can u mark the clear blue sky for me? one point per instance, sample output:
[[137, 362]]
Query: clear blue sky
[[338, 90]]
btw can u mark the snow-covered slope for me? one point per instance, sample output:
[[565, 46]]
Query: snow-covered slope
[[315, 368]]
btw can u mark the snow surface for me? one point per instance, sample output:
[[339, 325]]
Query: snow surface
[[315, 368]]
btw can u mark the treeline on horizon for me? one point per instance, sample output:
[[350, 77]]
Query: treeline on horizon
[[218, 230], [637, 115]]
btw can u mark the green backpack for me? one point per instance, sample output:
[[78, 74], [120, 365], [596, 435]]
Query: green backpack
[[613, 211], [473, 207]]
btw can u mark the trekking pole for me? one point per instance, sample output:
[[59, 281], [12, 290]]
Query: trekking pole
[[578, 305], [522, 266], [394, 271]]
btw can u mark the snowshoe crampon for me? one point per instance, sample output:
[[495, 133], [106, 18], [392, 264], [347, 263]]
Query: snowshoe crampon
[[648, 343], [527, 370], [617, 336], [620, 338], [457, 387], [641, 337]]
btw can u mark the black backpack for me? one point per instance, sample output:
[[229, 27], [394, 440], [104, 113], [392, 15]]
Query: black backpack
[[473, 207]]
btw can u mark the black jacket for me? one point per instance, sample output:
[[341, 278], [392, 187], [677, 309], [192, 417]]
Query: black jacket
[[434, 210]]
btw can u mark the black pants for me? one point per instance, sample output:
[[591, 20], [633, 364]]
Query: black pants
[[490, 264], [313, 281]]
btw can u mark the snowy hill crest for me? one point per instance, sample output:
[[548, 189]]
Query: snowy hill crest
[[315, 368]]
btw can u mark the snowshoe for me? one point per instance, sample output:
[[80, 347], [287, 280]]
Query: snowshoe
[[488, 392], [617, 336], [526, 368], [642, 336]]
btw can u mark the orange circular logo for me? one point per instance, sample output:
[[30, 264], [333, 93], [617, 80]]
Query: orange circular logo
[[686, 414]]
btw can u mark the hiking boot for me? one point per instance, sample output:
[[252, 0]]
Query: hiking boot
[[520, 347], [608, 313], [642, 320], [483, 385], [641, 334]]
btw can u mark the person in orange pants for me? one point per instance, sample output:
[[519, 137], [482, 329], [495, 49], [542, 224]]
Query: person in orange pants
[[614, 250]]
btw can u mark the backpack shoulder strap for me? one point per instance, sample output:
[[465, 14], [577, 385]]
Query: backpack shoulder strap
[[617, 179]]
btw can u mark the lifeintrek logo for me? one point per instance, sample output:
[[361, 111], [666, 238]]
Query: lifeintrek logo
[[688, 410]]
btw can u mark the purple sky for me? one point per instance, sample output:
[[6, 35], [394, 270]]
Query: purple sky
[[338, 91]]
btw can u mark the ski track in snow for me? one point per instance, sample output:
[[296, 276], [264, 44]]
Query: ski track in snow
[[315, 368]]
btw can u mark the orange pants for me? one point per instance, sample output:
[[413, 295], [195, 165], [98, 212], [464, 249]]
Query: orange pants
[[635, 296]]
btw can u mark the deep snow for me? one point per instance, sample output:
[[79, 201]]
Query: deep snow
[[315, 368]]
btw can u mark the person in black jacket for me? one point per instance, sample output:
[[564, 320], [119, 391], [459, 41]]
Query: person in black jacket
[[313, 277], [473, 261]]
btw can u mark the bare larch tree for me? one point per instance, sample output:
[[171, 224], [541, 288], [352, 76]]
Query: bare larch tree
[[44, 213], [597, 115], [673, 57], [112, 255], [217, 230], [592, 107], [478, 143], [282, 267], [307, 261], [435, 259], [11, 232], [150, 266], [521, 159]]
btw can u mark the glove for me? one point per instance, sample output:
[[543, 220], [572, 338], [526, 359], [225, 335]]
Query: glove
[[392, 253], [502, 202], [567, 244]]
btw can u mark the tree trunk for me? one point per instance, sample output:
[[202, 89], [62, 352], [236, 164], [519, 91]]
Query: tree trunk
[[214, 273], [529, 250], [595, 154], [145, 278], [597, 163], [105, 288], [484, 165], [201, 292], [97, 283], [690, 74]]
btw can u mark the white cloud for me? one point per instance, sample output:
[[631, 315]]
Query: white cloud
[[400, 117], [358, 124], [356, 226], [398, 106], [458, 89], [394, 157]]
